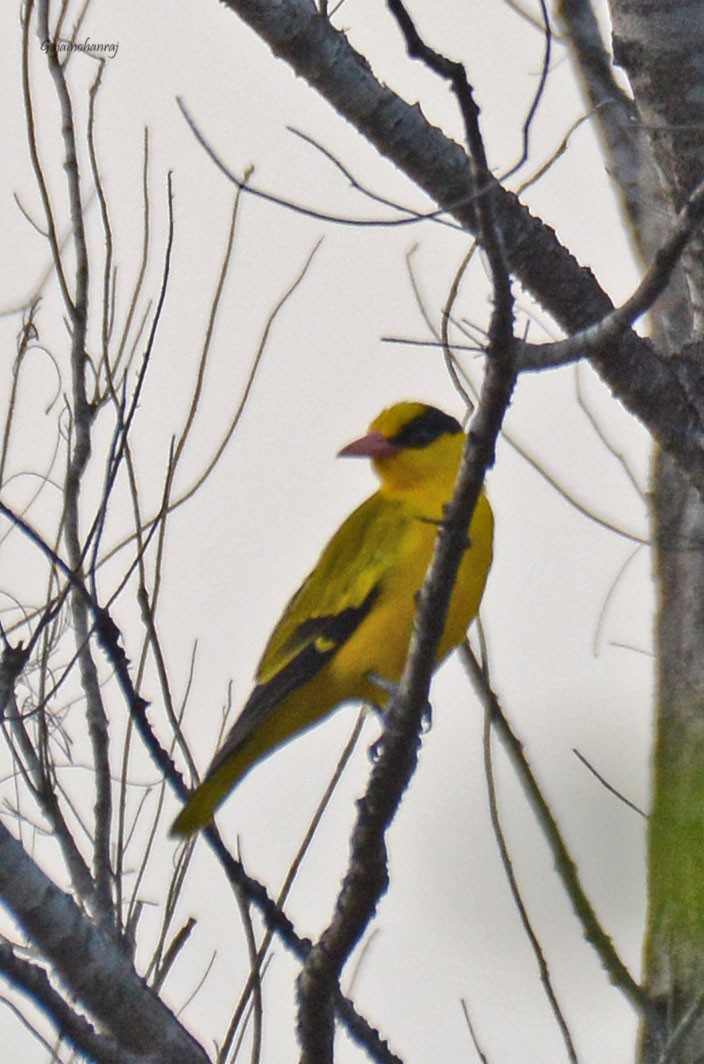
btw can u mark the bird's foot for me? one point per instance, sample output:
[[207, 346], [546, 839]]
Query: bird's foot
[[375, 749], [426, 721], [389, 687]]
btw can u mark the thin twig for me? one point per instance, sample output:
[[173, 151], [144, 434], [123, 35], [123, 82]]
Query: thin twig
[[293, 871], [608, 786], [109, 638], [298, 208], [82, 419], [436, 216], [539, 92], [605, 332], [514, 888], [593, 931], [472, 1033]]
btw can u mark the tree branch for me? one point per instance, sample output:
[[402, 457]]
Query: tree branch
[[108, 635], [599, 337], [95, 970], [69, 1025], [324, 57], [593, 931], [366, 879]]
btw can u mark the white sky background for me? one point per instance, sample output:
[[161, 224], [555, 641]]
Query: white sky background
[[569, 677]]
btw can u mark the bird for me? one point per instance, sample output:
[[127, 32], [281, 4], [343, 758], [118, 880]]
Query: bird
[[345, 633]]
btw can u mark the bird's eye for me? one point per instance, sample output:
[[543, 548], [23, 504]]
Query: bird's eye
[[425, 428]]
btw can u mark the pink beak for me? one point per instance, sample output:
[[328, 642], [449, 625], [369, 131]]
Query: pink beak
[[375, 445]]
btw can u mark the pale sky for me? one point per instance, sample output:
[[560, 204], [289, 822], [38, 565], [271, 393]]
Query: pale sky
[[569, 632]]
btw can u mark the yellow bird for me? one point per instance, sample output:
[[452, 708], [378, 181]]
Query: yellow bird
[[350, 622]]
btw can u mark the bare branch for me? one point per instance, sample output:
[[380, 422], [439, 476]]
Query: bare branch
[[539, 92], [593, 932], [52, 235], [324, 56], [608, 786], [93, 967], [108, 635], [367, 875], [243, 185], [523, 915], [614, 113], [82, 419], [604, 334], [69, 1025]]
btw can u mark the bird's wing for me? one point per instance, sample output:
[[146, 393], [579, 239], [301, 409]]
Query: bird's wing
[[351, 567], [320, 640], [325, 611]]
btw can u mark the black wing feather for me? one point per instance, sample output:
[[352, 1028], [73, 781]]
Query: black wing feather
[[323, 637]]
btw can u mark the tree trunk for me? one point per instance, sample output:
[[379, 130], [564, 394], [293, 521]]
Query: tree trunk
[[674, 958], [651, 40]]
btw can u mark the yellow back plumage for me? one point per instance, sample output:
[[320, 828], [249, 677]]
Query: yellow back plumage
[[351, 619]]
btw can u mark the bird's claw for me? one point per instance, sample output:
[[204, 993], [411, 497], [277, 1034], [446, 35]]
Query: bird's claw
[[375, 749], [389, 687], [426, 721]]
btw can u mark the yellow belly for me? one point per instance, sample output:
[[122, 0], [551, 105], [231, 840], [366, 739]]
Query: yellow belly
[[380, 644]]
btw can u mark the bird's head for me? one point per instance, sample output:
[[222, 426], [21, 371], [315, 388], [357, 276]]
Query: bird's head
[[415, 450]]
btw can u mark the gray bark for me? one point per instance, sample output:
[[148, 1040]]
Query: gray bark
[[96, 971], [651, 41], [661, 394]]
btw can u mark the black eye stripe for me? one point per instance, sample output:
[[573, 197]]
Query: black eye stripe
[[425, 428]]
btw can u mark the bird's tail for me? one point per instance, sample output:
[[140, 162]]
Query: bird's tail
[[202, 803]]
